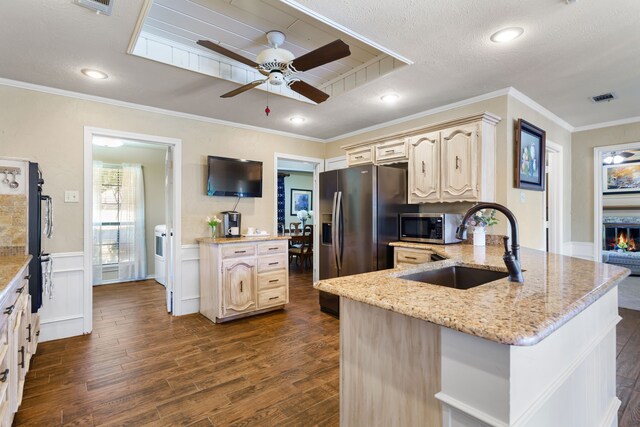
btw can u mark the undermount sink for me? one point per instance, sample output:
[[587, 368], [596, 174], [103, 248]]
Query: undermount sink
[[456, 277]]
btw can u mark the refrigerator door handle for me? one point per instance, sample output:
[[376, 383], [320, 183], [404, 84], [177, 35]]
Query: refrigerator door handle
[[334, 228], [339, 234]]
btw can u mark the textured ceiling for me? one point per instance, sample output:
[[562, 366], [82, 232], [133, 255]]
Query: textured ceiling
[[567, 53]]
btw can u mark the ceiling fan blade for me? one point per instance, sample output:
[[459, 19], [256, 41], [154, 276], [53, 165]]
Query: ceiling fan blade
[[323, 55], [308, 91], [226, 52], [243, 88]]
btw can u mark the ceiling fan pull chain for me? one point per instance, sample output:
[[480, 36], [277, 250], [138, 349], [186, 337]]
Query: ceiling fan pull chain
[[267, 110]]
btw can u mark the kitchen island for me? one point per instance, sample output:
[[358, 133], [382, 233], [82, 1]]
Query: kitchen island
[[540, 353]]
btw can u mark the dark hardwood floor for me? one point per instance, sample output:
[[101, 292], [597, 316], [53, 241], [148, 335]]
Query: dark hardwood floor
[[142, 366]]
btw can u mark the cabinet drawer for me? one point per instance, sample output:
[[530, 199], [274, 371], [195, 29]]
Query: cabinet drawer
[[272, 280], [269, 263], [233, 251], [276, 247], [276, 296], [405, 256], [359, 156], [391, 152]]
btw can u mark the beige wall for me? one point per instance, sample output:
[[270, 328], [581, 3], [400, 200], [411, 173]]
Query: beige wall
[[530, 212], [582, 145], [49, 129], [152, 161]]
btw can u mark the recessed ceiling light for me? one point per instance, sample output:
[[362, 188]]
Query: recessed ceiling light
[[297, 120], [104, 141], [390, 97], [507, 34], [94, 74]]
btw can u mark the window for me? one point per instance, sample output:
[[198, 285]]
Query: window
[[107, 223]]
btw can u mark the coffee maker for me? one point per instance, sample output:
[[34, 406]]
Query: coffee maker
[[231, 219]]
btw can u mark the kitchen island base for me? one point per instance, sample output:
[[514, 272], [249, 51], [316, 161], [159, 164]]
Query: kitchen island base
[[399, 370]]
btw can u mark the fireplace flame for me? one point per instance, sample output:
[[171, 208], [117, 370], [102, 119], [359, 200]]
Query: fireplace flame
[[623, 242]]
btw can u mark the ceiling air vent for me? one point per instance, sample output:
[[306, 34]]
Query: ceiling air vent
[[100, 6], [604, 97]]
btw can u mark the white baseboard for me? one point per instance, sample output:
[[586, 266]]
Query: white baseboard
[[582, 250]]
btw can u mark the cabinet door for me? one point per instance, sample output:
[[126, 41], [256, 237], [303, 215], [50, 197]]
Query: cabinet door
[[238, 286], [424, 168], [460, 164]]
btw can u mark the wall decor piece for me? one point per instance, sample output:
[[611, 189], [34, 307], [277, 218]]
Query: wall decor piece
[[621, 178], [530, 156], [300, 200]]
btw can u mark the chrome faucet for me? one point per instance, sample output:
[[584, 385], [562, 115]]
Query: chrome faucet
[[511, 258]]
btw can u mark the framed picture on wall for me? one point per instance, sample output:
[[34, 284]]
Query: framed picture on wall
[[530, 156], [621, 178], [300, 200]]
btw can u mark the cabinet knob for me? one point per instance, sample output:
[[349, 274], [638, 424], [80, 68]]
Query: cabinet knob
[[4, 375], [27, 277], [9, 309], [458, 162], [19, 290], [423, 167], [240, 285]]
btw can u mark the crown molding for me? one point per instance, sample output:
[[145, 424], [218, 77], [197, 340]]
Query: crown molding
[[515, 93], [149, 109], [458, 104], [620, 122]]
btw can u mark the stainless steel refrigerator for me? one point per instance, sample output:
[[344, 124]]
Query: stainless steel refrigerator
[[359, 208]]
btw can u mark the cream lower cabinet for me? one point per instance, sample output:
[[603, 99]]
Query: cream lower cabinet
[[242, 278], [410, 257], [19, 331]]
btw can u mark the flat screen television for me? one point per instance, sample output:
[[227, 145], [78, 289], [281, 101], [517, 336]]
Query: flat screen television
[[234, 177]]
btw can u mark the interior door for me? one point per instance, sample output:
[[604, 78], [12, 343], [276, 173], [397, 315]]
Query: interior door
[[168, 214]]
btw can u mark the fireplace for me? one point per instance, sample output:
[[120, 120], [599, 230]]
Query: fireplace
[[622, 237], [621, 242]]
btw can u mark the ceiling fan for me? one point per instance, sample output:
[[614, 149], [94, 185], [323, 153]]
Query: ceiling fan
[[279, 66]]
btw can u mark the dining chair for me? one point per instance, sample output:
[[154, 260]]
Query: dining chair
[[304, 253]]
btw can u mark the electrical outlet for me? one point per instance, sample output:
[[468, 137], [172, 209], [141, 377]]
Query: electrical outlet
[[71, 196]]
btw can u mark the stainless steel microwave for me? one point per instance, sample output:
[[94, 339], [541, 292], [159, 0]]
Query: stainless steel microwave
[[439, 228]]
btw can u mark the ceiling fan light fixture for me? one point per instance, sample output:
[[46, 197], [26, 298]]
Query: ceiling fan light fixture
[[278, 56], [297, 120], [390, 98], [507, 34]]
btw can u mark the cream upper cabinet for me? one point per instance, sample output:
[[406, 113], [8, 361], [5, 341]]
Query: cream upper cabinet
[[238, 286], [452, 161], [424, 168], [459, 151]]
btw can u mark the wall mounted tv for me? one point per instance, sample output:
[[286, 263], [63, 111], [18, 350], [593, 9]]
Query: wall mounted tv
[[234, 177]]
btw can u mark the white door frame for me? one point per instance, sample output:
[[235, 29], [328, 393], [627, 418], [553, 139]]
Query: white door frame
[[319, 167], [556, 197], [89, 133], [597, 192]]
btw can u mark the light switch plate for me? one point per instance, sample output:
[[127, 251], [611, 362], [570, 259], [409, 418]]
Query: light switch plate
[[71, 196], [522, 198]]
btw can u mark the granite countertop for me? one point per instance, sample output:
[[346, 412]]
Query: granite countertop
[[556, 289], [10, 266], [227, 240]]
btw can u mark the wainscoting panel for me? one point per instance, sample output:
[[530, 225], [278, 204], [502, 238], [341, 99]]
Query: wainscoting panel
[[582, 250], [61, 315], [190, 279]]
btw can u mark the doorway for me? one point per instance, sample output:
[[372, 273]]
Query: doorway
[[553, 198], [616, 199], [302, 170], [132, 213]]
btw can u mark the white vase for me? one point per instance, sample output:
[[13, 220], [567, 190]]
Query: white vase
[[479, 236]]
